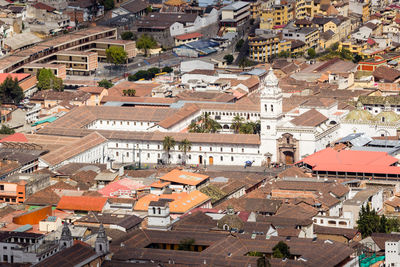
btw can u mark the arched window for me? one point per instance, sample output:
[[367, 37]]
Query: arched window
[[383, 119], [287, 140], [266, 107], [159, 210], [226, 227], [272, 108], [154, 210]]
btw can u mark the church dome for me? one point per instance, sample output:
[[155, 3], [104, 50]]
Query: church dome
[[387, 117], [359, 115]]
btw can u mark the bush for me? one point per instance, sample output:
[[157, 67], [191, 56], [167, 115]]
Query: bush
[[229, 59], [128, 36], [239, 45], [105, 83], [311, 53], [167, 69]]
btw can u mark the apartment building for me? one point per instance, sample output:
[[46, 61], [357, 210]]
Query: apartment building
[[76, 62], [16, 188], [308, 35], [41, 51], [262, 47], [235, 14], [59, 70]]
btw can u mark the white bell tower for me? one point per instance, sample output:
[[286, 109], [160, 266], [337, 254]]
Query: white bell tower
[[271, 113]]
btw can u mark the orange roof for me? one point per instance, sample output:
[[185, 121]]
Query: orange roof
[[189, 36], [159, 184], [17, 137], [182, 202], [84, 203], [182, 177], [19, 76]]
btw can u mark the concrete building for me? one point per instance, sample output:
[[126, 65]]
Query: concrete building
[[235, 14]]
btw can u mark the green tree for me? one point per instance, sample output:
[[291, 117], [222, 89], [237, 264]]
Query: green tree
[[346, 54], [185, 146], [284, 54], [168, 145], [146, 42], [311, 53], [186, 244], [6, 130], [108, 4], [116, 55], [357, 58], [128, 36], [105, 83], [281, 250], [229, 59], [393, 225], [244, 62], [154, 71], [239, 45], [204, 125], [129, 92], [10, 91], [368, 221], [167, 69], [383, 225], [237, 123], [149, 9], [47, 80], [248, 128]]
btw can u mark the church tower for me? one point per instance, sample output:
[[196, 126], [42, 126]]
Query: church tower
[[271, 113], [101, 243], [66, 239]]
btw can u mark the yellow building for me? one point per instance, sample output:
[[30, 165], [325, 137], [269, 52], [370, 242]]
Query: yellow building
[[300, 9], [366, 11], [276, 16], [353, 47], [263, 47]]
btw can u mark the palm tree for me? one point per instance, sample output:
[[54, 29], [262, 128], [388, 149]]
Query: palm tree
[[204, 125], [168, 144], [194, 127], [237, 123], [185, 146]]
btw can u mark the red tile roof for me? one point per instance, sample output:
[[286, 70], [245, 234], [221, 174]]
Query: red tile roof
[[17, 137], [82, 203], [352, 161], [40, 5], [19, 76], [189, 36]]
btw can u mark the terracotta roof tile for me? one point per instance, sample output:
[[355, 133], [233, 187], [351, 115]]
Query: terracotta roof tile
[[64, 153], [82, 203], [311, 118]]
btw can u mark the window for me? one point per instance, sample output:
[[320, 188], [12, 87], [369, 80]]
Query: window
[[116, 144], [222, 158], [158, 146], [148, 155], [221, 149], [116, 154], [127, 154], [199, 148], [232, 159], [120, 122], [158, 155], [265, 107], [210, 148], [148, 146], [179, 156], [1, 187], [272, 108], [268, 127], [127, 145], [242, 150], [190, 156]]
